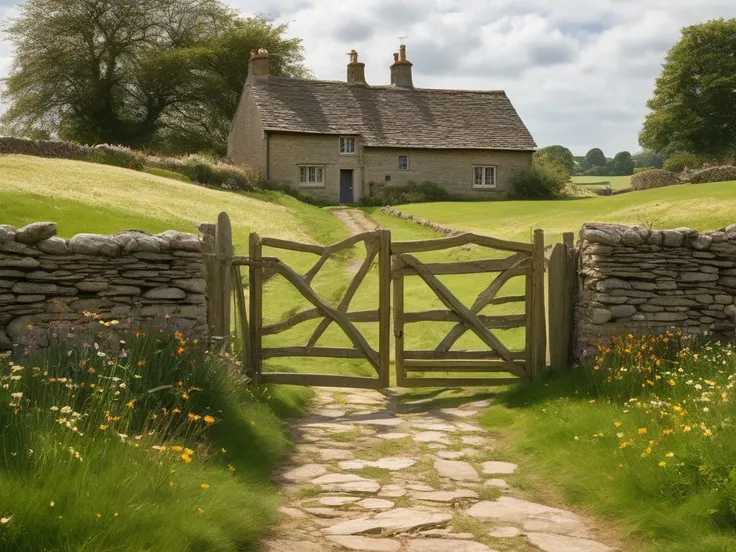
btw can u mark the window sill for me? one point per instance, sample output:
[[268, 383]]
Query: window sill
[[485, 188], [307, 186]]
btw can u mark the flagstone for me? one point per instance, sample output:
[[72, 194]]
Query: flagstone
[[307, 471], [336, 482], [456, 470], [366, 544], [496, 483], [338, 500], [458, 412], [393, 521], [445, 496], [474, 440], [512, 509], [495, 468], [431, 437], [376, 504], [324, 512], [335, 454], [390, 464], [392, 435], [548, 542], [392, 491], [445, 545]]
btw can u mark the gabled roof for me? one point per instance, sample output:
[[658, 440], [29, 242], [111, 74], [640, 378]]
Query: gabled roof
[[388, 116]]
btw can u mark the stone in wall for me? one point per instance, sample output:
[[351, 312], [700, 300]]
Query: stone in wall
[[52, 289], [633, 279]]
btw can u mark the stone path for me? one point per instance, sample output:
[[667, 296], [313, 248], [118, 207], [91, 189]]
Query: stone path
[[355, 220], [369, 474]]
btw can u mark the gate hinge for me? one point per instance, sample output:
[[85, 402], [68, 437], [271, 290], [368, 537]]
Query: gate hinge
[[398, 334]]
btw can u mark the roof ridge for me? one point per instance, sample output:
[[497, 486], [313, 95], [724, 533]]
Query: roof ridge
[[378, 86]]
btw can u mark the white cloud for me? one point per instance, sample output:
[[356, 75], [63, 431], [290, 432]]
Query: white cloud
[[578, 72]]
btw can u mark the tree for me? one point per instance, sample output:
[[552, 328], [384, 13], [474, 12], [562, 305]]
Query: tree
[[692, 109], [558, 153], [648, 158], [594, 158], [621, 165], [142, 73]]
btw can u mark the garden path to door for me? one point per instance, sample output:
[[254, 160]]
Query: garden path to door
[[387, 472]]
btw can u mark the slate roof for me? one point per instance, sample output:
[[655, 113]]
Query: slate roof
[[388, 116]]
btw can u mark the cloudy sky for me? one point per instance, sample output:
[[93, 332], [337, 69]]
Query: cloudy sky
[[578, 71]]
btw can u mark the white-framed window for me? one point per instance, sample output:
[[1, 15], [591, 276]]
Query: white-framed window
[[311, 175], [347, 145], [484, 178], [403, 162]]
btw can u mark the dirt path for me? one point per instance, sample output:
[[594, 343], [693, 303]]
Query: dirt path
[[355, 220], [369, 475]]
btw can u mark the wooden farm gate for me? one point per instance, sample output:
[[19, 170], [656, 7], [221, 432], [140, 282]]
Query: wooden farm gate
[[527, 260], [396, 261]]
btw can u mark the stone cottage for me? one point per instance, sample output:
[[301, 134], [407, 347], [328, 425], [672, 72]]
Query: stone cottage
[[343, 140]]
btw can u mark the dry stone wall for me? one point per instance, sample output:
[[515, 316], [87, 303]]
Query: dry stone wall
[[647, 281], [50, 287]]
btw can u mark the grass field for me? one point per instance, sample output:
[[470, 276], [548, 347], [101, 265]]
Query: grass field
[[702, 206], [616, 182]]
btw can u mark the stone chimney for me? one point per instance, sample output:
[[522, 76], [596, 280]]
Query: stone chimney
[[356, 71], [258, 64], [401, 69]]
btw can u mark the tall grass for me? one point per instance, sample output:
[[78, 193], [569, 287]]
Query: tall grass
[[644, 435], [159, 445]]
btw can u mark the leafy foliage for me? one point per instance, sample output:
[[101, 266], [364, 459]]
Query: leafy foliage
[[692, 107], [559, 154], [544, 180], [621, 165], [649, 159], [594, 158], [680, 161], [165, 74], [414, 192]]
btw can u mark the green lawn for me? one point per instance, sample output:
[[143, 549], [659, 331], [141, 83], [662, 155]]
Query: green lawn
[[616, 182], [702, 206]]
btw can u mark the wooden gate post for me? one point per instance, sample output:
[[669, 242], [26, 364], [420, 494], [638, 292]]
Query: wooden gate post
[[221, 295], [255, 249], [538, 354], [571, 284], [384, 308]]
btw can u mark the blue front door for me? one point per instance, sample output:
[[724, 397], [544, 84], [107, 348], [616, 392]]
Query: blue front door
[[346, 186]]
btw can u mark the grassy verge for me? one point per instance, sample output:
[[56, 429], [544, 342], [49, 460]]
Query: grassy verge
[[616, 182], [701, 206], [161, 446], [643, 438]]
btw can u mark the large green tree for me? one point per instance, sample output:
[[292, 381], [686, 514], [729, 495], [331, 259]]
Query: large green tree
[[594, 158], [621, 165], [162, 74], [693, 108], [558, 154]]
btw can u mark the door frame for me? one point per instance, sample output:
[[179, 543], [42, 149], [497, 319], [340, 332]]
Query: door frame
[[352, 183]]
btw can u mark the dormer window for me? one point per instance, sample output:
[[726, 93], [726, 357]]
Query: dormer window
[[347, 145]]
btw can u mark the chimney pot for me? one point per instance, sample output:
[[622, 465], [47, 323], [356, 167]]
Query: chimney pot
[[356, 70], [401, 70], [258, 64]]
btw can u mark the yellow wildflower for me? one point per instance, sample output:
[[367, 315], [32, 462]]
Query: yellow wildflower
[[642, 431], [209, 419], [204, 486]]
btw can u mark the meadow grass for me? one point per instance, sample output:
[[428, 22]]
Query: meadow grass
[[699, 206], [616, 182], [160, 446], [643, 437]]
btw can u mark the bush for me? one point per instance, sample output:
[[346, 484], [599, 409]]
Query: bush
[[118, 156], [297, 194], [544, 180], [680, 161], [207, 171], [597, 171], [654, 178], [637, 170], [721, 173]]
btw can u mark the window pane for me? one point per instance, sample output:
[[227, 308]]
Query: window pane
[[319, 175], [478, 172], [403, 162], [312, 173], [302, 174], [489, 176]]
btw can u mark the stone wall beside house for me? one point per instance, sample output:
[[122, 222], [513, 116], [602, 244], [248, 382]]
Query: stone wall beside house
[[633, 279], [50, 287]]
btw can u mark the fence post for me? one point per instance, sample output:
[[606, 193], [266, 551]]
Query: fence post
[[210, 271], [256, 306], [223, 291], [384, 308], [571, 285], [557, 286], [539, 330]]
